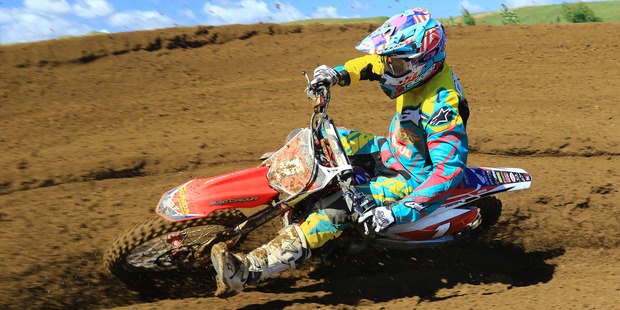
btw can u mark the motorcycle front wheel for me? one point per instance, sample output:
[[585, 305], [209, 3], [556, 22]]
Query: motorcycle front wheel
[[157, 248]]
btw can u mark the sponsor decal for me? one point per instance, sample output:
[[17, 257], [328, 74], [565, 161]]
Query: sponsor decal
[[481, 178], [404, 137], [168, 212], [183, 201], [401, 146], [506, 177], [393, 47], [410, 115], [441, 230], [404, 151], [365, 45], [499, 176], [452, 204], [169, 207], [518, 177], [233, 200], [457, 85], [414, 205], [527, 177], [292, 167], [490, 176], [443, 116], [420, 77], [512, 177]]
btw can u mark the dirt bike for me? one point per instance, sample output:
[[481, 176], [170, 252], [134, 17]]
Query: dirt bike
[[312, 166]]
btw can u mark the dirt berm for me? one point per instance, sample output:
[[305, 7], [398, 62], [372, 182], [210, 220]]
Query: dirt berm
[[95, 129]]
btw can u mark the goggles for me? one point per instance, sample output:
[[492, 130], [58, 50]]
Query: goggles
[[398, 67]]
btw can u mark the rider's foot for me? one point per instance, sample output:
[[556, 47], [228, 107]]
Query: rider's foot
[[232, 272], [236, 271]]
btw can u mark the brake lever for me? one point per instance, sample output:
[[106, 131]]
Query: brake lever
[[320, 93], [310, 91]]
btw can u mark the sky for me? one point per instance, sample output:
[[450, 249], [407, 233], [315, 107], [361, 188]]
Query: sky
[[37, 20]]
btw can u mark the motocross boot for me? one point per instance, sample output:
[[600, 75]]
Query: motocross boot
[[235, 271]]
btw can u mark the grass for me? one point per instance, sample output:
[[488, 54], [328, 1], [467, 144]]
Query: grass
[[376, 20], [609, 11]]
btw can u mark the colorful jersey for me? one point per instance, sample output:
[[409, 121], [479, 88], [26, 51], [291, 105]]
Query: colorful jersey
[[427, 142]]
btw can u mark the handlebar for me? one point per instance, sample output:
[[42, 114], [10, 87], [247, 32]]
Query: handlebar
[[321, 93]]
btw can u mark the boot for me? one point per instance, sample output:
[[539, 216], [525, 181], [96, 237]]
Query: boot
[[235, 271]]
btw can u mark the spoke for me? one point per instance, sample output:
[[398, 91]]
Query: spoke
[[157, 253]]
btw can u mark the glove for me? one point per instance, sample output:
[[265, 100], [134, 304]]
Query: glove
[[325, 74], [378, 218]]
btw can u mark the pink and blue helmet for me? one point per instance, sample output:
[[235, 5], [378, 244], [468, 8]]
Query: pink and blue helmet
[[412, 46]]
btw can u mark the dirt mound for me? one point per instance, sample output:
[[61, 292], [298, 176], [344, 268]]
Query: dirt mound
[[95, 129]]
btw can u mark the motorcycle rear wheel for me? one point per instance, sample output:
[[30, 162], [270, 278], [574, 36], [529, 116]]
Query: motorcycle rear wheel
[[157, 247], [490, 208]]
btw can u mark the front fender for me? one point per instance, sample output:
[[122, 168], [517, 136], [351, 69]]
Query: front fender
[[197, 198]]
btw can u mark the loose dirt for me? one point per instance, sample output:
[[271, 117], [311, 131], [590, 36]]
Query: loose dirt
[[95, 129]]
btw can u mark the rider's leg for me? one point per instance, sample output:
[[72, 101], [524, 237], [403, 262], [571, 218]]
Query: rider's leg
[[383, 188], [387, 190], [356, 142], [327, 222], [235, 271]]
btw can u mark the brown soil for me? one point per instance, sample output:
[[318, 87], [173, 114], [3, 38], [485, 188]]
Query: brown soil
[[95, 129]]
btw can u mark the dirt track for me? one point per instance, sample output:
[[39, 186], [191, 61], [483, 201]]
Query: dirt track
[[95, 129]]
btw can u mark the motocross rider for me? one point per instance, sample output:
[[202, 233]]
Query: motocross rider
[[417, 165]]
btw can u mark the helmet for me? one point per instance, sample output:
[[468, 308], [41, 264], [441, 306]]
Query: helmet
[[412, 48]]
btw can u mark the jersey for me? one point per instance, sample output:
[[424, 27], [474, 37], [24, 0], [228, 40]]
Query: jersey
[[427, 141]]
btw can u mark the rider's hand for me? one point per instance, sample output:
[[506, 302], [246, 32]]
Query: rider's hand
[[325, 74], [378, 218]]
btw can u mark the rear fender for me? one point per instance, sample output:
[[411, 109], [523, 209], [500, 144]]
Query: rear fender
[[200, 197], [479, 182]]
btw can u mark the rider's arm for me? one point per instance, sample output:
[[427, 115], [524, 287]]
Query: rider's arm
[[447, 145], [368, 67]]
